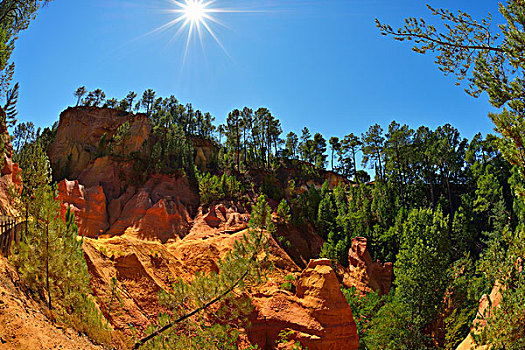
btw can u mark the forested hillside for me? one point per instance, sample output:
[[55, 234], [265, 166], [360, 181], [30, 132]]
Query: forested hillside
[[143, 223]]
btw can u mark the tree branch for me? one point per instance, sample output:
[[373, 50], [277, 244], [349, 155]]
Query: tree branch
[[182, 318], [445, 43]]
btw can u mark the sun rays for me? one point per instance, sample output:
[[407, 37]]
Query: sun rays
[[195, 18]]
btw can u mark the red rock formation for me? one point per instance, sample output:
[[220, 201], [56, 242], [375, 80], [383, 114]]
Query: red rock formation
[[152, 232], [108, 173], [80, 130], [363, 273], [318, 313], [228, 220], [89, 206], [10, 174]]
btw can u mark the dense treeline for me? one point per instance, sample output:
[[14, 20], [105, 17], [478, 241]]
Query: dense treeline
[[490, 213], [437, 204]]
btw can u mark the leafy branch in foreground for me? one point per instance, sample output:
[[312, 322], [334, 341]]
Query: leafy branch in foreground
[[463, 41], [205, 314], [15, 16]]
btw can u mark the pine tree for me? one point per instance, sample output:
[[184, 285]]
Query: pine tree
[[51, 259], [422, 263], [79, 94]]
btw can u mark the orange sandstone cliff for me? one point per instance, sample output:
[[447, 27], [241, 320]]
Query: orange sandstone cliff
[[144, 234], [10, 176]]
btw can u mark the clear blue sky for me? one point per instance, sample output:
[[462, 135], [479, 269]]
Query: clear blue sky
[[321, 63]]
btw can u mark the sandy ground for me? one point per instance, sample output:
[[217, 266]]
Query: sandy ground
[[24, 326]]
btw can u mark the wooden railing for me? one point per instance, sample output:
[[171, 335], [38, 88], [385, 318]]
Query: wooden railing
[[9, 232]]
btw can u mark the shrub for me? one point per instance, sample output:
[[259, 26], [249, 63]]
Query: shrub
[[214, 188]]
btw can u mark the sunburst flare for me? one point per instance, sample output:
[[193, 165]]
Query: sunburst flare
[[195, 17]]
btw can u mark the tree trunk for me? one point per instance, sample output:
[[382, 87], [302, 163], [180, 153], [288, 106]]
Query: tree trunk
[[47, 267], [380, 167], [332, 159], [449, 195], [432, 195], [355, 165]]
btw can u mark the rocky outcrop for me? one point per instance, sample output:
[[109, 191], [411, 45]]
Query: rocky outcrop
[[318, 314], [364, 274], [10, 174], [486, 305], [227, 219], [206, 153], [140, 235], [89, 206], [81, 131], [158, 211]]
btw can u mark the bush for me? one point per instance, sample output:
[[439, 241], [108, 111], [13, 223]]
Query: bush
[[214, 188], [283, 212], [289, 284]]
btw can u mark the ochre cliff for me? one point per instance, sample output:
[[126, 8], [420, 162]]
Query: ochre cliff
[[10, 174], [317, 314], [143, 234], [363, 273], [80, 131]]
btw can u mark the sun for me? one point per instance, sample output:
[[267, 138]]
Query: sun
[[194, 10], [196, 16], [196, 19]]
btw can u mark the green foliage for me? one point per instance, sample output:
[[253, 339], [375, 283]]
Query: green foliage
[[23, 134], [283, 212], [215, 188], [219, 296], [326, 213], [498, 71], [51, 260], [10, 106], [364, 309], [272, 188], [505, 251], [394, 329], [462, 297], [289, 284], [118, 141], [284, 339], [336, 248], [422, 263]]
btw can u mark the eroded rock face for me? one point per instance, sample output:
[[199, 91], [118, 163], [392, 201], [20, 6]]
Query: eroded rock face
[[10, 173], [486, 305], [318, 313], [363, 273], [158, 211], [143, 235], [89, 206], [79, 134]]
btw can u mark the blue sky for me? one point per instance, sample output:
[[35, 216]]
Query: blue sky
[[320, 64]]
